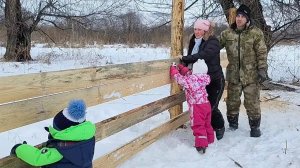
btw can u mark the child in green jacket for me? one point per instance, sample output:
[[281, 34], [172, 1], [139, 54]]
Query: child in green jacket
[[71, 141]]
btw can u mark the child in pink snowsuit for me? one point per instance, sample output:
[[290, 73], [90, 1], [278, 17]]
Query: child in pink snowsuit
[[194, 84]]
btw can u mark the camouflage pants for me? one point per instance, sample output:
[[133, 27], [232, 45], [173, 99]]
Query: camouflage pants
[[251, 99]]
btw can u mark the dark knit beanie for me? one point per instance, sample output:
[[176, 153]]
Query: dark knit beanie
[[73, 115], [245, 11]]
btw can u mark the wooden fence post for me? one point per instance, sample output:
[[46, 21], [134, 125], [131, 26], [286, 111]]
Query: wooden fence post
[[231, 15], [177, 26]]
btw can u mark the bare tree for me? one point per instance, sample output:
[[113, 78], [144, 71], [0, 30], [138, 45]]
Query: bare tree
[[17, 46], [21, 22], [284, 16], [131, 24], [158, 10], [161, 10], [285, 20]]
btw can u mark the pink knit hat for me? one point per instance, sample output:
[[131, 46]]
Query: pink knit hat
[[202, 24]]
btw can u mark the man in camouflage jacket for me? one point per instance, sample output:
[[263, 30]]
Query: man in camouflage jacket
[[247, 68]]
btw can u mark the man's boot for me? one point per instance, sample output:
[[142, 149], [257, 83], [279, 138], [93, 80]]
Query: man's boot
[[254, 125], [255, 132], [233, 121]]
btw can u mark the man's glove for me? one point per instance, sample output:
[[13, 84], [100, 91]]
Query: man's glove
[[262, 75], [14, 148]]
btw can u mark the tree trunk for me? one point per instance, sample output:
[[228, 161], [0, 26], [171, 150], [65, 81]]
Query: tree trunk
[[24, 43], [256, 15], [18, 33]]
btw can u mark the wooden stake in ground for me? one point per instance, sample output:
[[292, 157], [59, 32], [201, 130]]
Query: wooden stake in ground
[[231, 15], [176, 46]]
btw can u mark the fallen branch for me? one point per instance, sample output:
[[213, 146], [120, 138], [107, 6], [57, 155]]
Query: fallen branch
[[235, 162], [285, 147], [268, 99], [270, 85]]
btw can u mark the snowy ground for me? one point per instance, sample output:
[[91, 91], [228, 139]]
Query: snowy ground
[[279, 145]]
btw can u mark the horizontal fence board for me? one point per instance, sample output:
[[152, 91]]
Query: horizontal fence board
[[115, 124], [12, 162], [13, 88], [122, 121], [43, 95], [125, 152], [20, 113]]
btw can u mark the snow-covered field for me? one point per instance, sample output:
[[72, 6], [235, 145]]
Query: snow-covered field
[[56, 59], [284, 61], [279, 146]]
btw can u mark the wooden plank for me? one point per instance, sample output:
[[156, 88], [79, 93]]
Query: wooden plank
[[176, 45], [13, 88], [12, 162], [231, 15], [117, 123], [122, 121], [20, 113], [123, 153]]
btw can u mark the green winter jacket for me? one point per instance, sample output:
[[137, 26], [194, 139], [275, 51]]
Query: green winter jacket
[[246, 53], [46, 156]]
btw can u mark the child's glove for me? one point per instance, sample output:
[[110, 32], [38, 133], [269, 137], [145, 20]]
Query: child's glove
[[14, 148], [185, 70], [180, 66], [173, 71]]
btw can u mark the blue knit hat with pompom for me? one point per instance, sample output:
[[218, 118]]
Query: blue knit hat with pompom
[[76, 110], [73, 115]]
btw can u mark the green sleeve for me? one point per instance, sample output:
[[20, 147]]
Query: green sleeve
[[38, 157], [261, 51]]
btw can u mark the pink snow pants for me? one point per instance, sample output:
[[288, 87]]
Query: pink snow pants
[[200, 115]]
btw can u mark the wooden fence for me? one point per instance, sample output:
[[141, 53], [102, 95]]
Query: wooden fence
[[27, 99]]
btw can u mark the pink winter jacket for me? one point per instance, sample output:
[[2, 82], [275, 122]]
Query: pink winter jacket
[[194, 85]]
